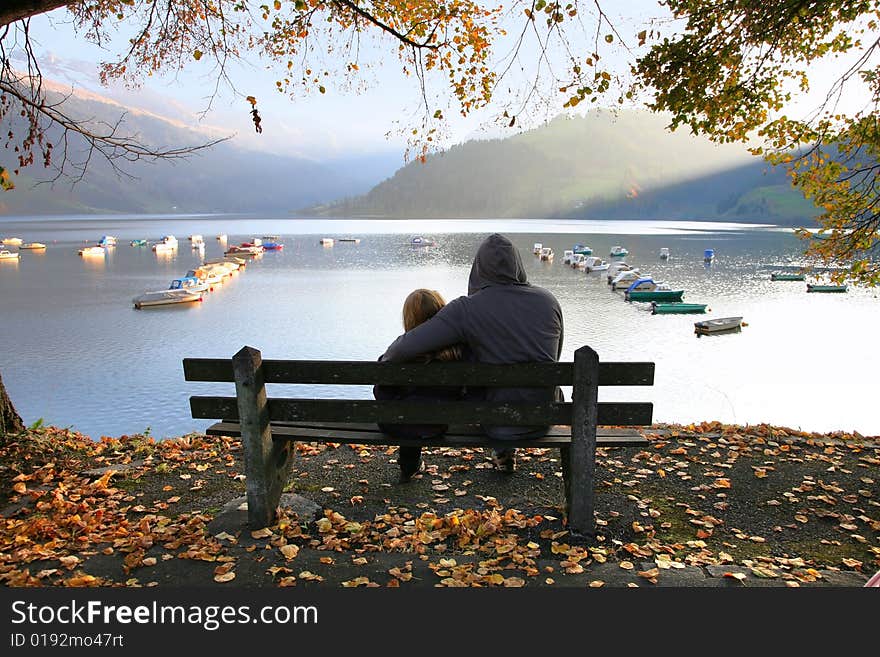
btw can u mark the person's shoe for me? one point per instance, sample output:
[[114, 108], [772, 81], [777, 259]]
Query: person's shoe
[[407, 471], [504, 460]]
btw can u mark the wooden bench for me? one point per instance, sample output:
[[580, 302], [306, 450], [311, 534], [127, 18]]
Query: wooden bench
[[269, 426]]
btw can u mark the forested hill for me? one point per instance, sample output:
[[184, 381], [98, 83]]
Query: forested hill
[[606, 165], [224, 178]]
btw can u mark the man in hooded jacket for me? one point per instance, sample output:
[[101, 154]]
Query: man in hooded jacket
[[503, 320]]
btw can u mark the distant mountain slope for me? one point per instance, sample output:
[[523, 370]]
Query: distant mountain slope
[[224, 178], [604, 165]]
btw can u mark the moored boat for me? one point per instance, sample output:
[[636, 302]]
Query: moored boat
[[273, 243], [547, 254], [655, 295], [243, 251], [93, 251], [12, 241], [583, 249], [615, 268], [625, 278], [618, 252], [577, 260], [566, 256], [165, 297], [662, 308], [536, 248], [138, 242], [107, 240], [815, 287], [6, 254], [709, 256], [354, 240], [782, 276], [422, 241], [718, 325], [190, 283], [664, 253], [32, 246]]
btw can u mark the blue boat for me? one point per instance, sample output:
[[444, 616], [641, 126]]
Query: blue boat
[[708, 255], [582, 249], [190, 283]]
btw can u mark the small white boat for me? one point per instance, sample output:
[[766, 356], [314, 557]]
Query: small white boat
[[222, 237], [422, 241], [547, 254], [624, 279], [615, 268], [536, 249], [664, 253], [93, 251], [166, 244], [354, 240], [618, 252], [593, 263], [12, 241], [107, 240], [718, 325], [165, 297], [196, 239], [577, 261], [326, 241], [566, 256], [6, 254], [189, 283], [32, 246]]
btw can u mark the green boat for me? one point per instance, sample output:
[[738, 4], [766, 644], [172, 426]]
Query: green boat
[[655, 295], [677, 308], [825, 288], [786, 277]]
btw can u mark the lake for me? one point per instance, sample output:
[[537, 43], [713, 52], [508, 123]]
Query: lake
[[77, 354]]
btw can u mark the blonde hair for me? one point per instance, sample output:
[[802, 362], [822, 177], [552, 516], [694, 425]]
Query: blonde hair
[[420, 306]]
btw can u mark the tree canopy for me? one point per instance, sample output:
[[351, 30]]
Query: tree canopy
[[732, 71]]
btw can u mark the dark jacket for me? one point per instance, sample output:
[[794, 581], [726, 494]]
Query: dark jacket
[[416, 393], [504, 319]]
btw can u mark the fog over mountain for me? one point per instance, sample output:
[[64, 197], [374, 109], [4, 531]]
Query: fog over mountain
[[605, 165], [223, 178]]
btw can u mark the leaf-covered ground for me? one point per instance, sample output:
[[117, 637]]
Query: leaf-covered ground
[[746, 505]]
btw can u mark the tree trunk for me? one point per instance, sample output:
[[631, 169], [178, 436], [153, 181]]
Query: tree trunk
[[10, 420]]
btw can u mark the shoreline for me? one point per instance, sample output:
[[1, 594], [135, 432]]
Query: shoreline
[[704, 504]]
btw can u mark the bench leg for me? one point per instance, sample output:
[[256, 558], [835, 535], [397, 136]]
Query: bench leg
[[581, 455], [267, 462]]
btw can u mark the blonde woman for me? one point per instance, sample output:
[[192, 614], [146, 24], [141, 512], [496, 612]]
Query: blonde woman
[[420, 306]]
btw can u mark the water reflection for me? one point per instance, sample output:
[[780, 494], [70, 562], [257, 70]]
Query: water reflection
[[344, 302]]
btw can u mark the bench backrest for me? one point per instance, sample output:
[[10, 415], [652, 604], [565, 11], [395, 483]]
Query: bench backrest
[[250, 374]]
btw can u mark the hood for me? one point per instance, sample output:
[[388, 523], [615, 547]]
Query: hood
[[497, 263]]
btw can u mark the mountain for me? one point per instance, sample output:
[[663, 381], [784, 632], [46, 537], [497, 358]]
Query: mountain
[[605, 165], [223, 178]]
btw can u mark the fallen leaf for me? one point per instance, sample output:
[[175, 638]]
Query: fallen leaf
[[289, 551], [225, 577]]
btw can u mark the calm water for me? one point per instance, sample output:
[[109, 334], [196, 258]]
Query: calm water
[[76, 353]]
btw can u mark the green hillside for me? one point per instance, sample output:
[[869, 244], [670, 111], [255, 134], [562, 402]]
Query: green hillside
[[622, 165]]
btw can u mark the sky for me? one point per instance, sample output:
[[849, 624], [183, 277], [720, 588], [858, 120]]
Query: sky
[[339, 123], [319, 127]]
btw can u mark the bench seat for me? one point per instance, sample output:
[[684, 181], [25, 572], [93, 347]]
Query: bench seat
[[457, 436]]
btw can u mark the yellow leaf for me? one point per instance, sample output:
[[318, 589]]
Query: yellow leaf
[[596, 583], [225, 577], [626, 565], [197, 54], [514, 582], [289, 551], [265, 532], [277, 5]]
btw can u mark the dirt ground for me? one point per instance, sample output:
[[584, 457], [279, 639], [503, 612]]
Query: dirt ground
[[702, 505]]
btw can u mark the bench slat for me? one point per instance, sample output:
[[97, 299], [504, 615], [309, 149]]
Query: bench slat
[[413, 412], [557, 436], [458, 373]]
